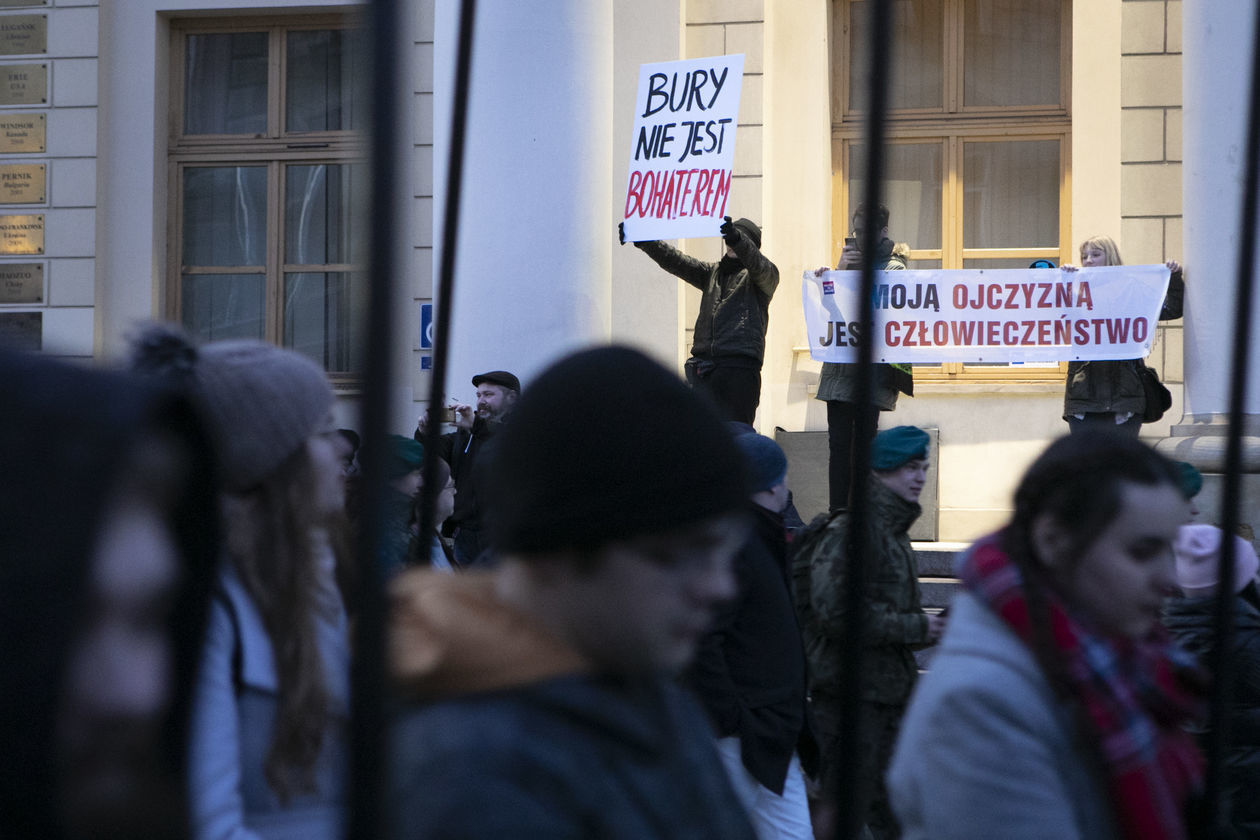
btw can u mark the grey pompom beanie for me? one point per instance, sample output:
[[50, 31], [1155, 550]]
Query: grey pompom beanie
[[261, 403]]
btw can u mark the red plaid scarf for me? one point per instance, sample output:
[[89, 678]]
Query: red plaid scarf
[[1134, 695]]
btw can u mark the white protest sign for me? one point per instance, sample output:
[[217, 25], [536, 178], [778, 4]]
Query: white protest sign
[[989, 315], [683, 148]]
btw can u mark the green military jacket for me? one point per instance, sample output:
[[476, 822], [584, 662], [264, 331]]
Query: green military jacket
[[893, 619]]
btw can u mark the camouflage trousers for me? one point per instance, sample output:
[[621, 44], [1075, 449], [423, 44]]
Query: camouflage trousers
[[878, 723]]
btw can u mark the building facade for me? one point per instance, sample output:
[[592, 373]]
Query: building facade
[[204, 162]]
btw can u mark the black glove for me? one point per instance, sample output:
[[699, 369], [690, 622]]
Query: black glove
[[621, 232], [728, 231]]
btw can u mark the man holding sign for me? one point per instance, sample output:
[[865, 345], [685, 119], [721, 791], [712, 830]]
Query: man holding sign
[[730, 336], [677, 186]]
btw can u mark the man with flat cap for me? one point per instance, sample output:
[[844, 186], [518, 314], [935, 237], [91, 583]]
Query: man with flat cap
[[893, 620], [730, 336], [497, 392]]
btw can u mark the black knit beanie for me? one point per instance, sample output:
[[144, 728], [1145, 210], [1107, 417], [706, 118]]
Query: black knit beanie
[[750, 229], [606, 445]]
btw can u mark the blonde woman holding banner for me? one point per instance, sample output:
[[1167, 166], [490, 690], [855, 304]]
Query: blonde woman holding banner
[[1106, 393]]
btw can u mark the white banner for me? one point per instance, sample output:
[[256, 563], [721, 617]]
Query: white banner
[[989, 315], [683, 148]]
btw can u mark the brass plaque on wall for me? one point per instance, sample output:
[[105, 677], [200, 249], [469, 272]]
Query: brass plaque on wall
[[23, 34], [22, 183], [22, 330], [23, 133], [22, 234], [21, 282], [23, 84]]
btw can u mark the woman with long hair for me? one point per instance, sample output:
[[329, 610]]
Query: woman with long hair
[[1054, 706], [1109, 393], [267, 750]]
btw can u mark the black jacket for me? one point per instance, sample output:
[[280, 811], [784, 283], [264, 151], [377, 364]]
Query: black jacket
[[734, 302], [464, 451], [1106, 385], [1190, 621], [750, 669]]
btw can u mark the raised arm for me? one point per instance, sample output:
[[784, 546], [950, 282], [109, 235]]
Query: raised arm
[[763, 273], [690, 270]]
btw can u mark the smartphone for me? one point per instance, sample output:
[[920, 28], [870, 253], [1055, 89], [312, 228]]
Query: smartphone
[[850, 242], [448, 414]]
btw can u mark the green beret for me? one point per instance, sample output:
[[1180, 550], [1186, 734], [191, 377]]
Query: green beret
[[405, 455], [1191, 479], [893, 447]]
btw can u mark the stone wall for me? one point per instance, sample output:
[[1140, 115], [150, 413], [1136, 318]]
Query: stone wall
[[1150, 150]]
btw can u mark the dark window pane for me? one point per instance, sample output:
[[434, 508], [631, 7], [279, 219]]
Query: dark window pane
[[225, 83], [217, 306], [225, 218], [317, 213], [1011, 50], [321, 92], [918, 77], [912, 190], [1011, 194], [324, 317]]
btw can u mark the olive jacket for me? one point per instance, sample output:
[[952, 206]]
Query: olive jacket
[[893, 619], [734, 302]]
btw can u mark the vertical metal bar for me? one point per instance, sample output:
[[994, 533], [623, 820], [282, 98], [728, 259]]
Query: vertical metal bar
[[367, 673], [446, 276], [1220, 660], [858, 547]]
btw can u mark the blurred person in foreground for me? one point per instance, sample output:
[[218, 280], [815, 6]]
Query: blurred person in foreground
[[1055, 705], [106, 557], [750, 671], [268, 748], [1191, 619], [538, 700]]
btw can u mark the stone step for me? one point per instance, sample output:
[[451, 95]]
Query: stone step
[[937, 584], [936, 593], [936, 559]]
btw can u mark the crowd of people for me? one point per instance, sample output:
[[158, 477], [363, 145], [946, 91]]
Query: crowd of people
[[617, 629]]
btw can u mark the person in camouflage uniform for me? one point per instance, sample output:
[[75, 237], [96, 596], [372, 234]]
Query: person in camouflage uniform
[[893, 620]]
